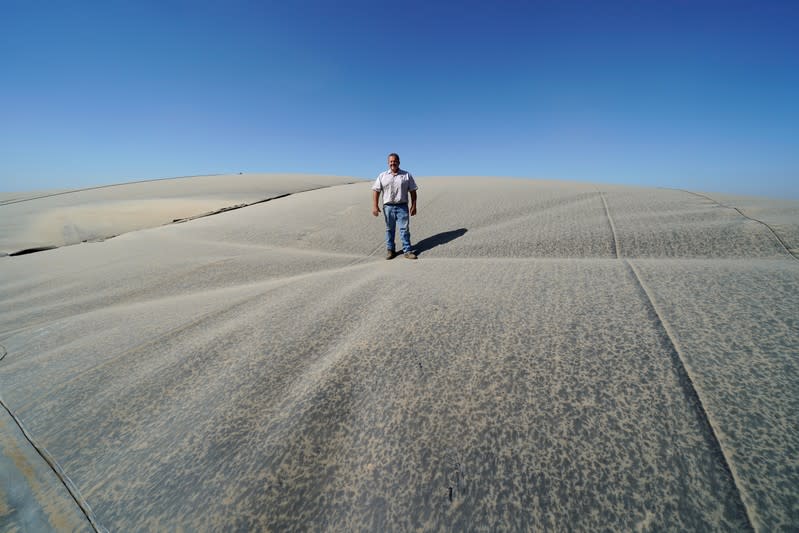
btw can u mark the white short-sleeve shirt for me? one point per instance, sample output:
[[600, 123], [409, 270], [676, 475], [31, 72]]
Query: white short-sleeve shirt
[[395, 187]]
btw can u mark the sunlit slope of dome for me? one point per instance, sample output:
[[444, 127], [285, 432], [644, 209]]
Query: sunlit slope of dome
[[562, 356], [47, 219]]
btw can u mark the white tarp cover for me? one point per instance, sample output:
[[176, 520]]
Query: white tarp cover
[[562, 356]]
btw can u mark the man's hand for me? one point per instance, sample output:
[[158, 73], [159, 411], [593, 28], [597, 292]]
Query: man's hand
[[413, 209], [375, 202]]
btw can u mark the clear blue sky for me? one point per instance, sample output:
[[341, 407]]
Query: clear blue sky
[[692, 94]]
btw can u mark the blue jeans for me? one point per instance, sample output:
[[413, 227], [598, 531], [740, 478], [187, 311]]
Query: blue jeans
[[395, 215]]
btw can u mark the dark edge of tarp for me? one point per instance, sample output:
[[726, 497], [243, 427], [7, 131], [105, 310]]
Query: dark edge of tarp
[[27, 251]]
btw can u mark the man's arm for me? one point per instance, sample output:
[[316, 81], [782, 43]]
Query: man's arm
[[375, 207], [413, 202]]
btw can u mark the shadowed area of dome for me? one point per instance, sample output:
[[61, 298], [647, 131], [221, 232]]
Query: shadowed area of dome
[[563, 356]]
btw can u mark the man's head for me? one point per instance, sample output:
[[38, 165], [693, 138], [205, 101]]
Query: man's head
[[393, 162]]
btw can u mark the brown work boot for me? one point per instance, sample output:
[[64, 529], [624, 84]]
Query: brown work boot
[[410, 255], [390, 254]]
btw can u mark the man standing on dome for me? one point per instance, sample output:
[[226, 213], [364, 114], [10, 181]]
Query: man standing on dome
[[396, 185]]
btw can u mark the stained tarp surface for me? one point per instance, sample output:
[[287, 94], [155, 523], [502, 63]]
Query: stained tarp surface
[[562, 356]]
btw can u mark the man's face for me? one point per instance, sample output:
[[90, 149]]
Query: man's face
[[393, 164]]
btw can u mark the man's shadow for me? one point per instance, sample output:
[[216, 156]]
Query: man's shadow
[[436, 240]]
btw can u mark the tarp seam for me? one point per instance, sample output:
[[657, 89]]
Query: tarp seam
[[776, 236], [692, 389], [59, 472]]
